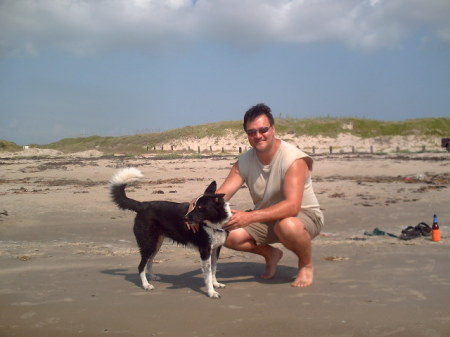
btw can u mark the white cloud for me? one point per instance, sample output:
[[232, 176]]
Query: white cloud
[[85, 26]]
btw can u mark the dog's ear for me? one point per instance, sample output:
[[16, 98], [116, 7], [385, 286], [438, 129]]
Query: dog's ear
[[211, 189]]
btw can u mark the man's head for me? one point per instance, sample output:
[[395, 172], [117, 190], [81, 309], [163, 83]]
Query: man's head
[[260, 128], [256, 111]]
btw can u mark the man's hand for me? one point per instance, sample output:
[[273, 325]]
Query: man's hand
[[239, 219], [193, 227]]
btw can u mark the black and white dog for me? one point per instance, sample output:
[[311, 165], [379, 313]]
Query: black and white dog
[[156, 220]]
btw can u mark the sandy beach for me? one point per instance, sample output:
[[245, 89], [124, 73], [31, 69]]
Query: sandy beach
[[68, 259]]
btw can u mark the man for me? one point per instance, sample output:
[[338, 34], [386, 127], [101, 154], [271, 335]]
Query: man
[[278, 176]]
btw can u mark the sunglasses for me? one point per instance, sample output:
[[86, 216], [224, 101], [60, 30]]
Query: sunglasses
[[263, 130]]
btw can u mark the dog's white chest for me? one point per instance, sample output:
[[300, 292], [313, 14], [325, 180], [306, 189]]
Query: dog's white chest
[[218, 236]]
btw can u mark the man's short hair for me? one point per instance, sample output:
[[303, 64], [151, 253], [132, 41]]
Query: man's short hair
[[256, 111]]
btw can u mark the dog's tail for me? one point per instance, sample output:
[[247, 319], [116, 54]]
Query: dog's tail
[[117, 187]]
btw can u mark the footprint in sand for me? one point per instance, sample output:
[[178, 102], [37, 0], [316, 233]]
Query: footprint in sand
[[28, 315], [48, 321]]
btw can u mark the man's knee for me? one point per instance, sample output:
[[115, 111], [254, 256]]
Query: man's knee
[[231, 242], [236, 238], [289, 226]]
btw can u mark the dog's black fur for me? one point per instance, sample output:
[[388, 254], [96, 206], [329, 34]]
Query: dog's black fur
[[156, 220]]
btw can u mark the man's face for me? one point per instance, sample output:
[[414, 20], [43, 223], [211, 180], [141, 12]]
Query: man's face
[[260, 134]]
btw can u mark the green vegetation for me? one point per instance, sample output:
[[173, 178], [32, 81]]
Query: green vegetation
[[6, 146], [365, 128], [139, 143], [330, 127]]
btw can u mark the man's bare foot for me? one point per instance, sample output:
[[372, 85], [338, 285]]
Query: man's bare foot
[[271, 263], [304, 277]]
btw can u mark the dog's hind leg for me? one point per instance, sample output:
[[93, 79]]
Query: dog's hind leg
[[207, 273], [159, 243], [148, 251], [145, 255], [214, 258]]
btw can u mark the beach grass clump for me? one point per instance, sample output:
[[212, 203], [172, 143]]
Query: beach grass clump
[[6, 146]]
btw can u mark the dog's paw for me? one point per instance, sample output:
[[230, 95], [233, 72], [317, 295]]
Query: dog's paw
[[219, 285], [213, 294], [154, 277], [148, 286]]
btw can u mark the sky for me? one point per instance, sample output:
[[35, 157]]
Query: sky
[[77, 68]]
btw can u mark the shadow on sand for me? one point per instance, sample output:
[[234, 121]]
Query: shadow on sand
[[227, 273]]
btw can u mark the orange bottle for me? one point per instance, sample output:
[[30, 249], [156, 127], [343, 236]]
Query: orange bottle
[[435, 231]]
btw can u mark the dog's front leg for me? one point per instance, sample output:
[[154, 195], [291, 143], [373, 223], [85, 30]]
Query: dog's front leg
[[214, 258], [207, 274]]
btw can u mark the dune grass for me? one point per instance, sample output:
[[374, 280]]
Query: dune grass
[[331, 127], [365, 128], [6, 146]]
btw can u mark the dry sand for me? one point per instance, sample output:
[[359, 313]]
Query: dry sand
[[68, 260]]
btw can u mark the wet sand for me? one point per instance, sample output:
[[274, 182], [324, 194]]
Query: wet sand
[[68, 259]]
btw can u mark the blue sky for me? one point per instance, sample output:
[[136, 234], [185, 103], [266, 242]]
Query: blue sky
[[72, 68]]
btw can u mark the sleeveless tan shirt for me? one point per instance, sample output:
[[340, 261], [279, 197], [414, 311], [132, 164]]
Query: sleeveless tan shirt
[[265, 182]]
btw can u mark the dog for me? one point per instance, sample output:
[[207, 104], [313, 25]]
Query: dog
[[156, 220]]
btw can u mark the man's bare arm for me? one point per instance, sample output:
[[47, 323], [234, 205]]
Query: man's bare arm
[[232, 183]]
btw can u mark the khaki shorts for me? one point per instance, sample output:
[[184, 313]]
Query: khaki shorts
[[264, 233]]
